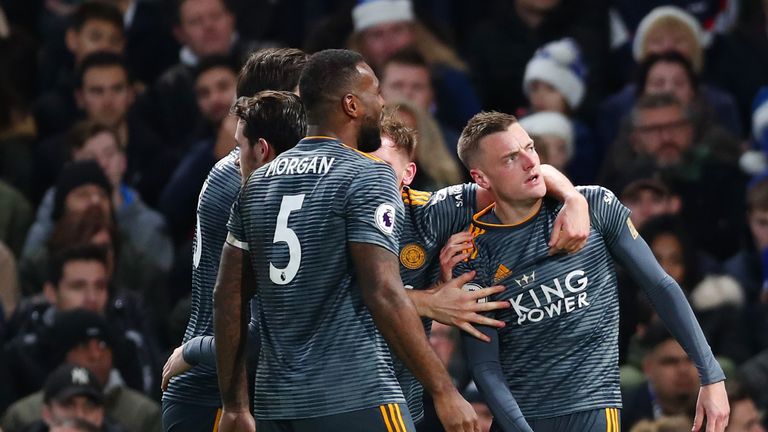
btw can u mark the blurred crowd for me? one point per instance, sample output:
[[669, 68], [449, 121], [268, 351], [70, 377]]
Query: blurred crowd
[[113, 112]]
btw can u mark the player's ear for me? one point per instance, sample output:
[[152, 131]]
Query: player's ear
[[479, 177], [409, 173], [49, 292], [264, 151], [350, 105], [70, 38]]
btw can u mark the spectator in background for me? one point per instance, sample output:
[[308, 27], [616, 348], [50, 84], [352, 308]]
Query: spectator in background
[[648, 198], [79, 278], [83, 338], [215, 85], [15, 218], [500, 47], [717, 300], [737, 61], [745, 415], [94, 26], [106, 97], [552, 134], [18, 87], [704, 174], [664, 424], [149, 44], [667, 28], [384, 27], [748, 265], [755, 161], [436, 168], [555, 80], [407, 76], [204, 28], [673, 383], [143, 227], [72, 392]]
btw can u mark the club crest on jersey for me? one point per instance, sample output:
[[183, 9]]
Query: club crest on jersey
[[385, 218], [412, 256]]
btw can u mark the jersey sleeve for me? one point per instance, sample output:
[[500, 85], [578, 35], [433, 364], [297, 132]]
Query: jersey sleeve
[[448, 211], [236, 234], [607, 214], [373, 208]]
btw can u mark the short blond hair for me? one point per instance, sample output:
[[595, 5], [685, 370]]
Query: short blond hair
[[402, 136], [480, 126]]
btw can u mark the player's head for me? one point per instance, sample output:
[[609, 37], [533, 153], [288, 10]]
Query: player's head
[[268, 124], [501, 157], [78, 279], [271, 69], [215, 79], [103, 88], [95, 26], [666, 365], [757, 213], [89, 140], [206, 27], [398, 148], [341, 91]]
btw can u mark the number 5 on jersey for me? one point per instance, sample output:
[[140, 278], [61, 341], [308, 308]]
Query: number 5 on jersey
[[286, 235]]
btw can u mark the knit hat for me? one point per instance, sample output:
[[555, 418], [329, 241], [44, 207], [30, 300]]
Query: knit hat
[[74, 175], [760, 119], [550, 123], [75, 327], [368, 13], [666, 12], [559, 64]]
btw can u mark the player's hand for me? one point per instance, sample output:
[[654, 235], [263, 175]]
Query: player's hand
[[236, 421], [712, 404], [451, 254], [571, 228], [451, 305], [455, 413], [175, 365]]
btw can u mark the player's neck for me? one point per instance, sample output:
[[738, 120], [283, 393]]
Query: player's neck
[[347, 137], [515, 212]]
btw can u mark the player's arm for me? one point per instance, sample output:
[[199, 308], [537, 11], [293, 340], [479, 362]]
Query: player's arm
[[483, 363], [571, 228], [230, 309], [673, 308], [378, 273], [202, 350]]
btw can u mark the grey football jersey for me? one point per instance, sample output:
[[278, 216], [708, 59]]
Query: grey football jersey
[[559, 349], [430, 219], [199, 385], [321, 353]]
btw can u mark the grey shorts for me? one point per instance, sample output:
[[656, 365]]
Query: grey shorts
[[185, 417], [599, 420], [384, 418]]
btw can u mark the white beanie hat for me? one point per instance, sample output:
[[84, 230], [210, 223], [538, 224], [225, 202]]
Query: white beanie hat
[[550, 123], [558, 64], [368, 13], [665, 12]]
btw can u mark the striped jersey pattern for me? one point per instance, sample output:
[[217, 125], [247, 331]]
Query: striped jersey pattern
[[430, 219], [200, 385], [559, 349], [321, 353]]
